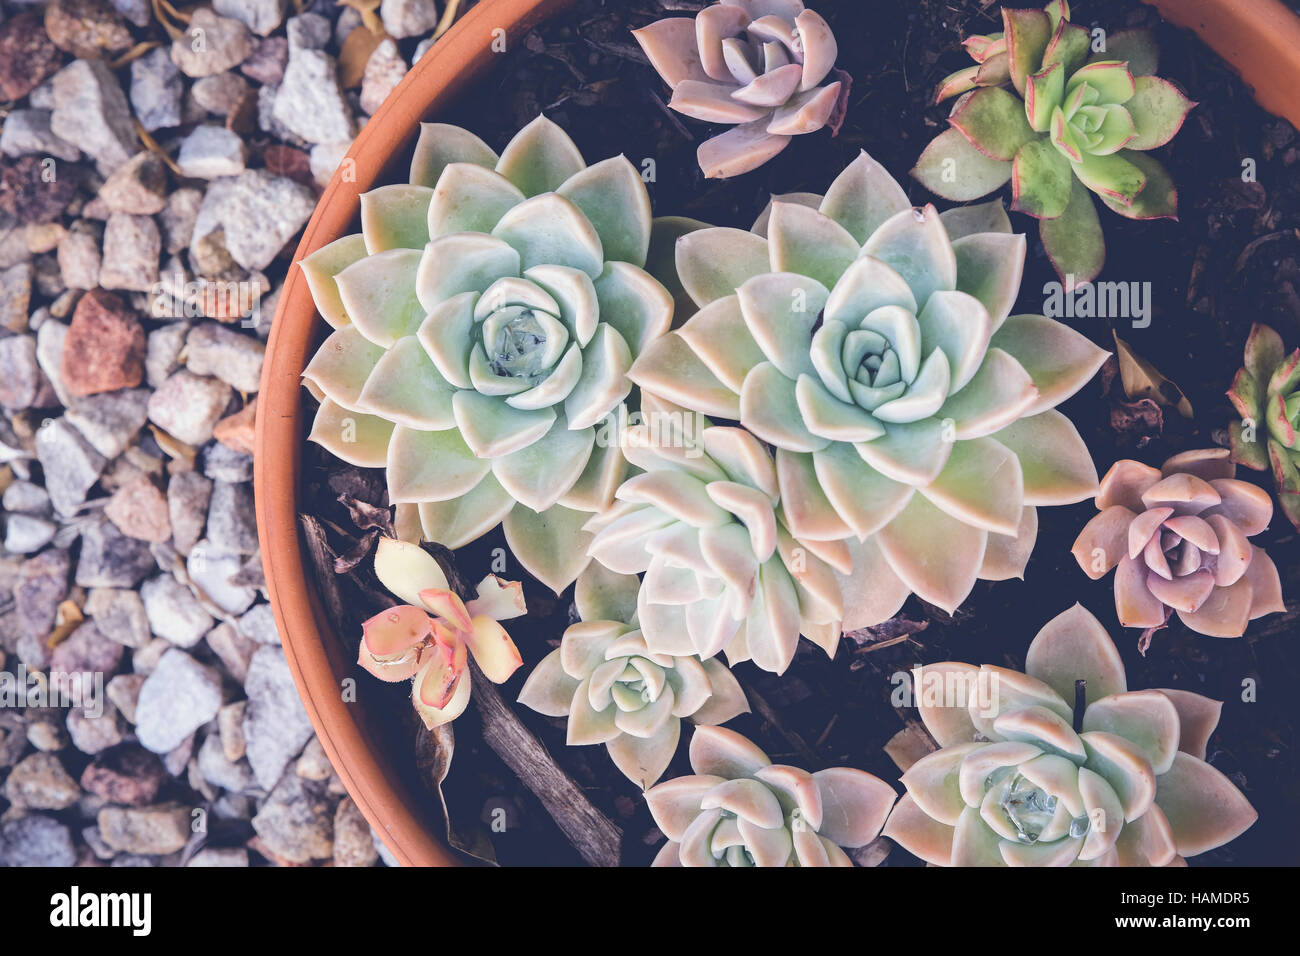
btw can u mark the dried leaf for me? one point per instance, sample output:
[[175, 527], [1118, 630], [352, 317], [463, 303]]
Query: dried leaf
[[133, 54], [909, 745], [1141, 379], [448, 17], [433, 752], [151, 144], [68, 619], [1139, 421], [369, 17], [345, 562], [173, 447], [895, 629], [355, 53], [367, 516]]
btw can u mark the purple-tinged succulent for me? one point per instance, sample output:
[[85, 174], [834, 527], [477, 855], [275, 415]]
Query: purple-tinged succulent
[[1178, 540], [1035, 769], [1042, 110], [757, 64]]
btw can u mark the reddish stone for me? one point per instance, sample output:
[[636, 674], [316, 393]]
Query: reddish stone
[[287, 161], [139, 510], [27, 57], [87, 29], [239, 430], [105, 347], [126, 774], [35, 191]]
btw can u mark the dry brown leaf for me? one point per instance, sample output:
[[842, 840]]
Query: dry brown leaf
[[448, 17], [355, 53], [168, 16], [151, 144], [369, 17], [1141, 379], [133, 54], [68, 619]]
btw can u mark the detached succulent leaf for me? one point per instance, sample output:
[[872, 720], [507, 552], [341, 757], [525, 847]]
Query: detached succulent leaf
[[486, 319], [1023, 789]]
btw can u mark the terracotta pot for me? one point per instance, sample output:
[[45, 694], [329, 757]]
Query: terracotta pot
[[402, 817], [1260, 38]]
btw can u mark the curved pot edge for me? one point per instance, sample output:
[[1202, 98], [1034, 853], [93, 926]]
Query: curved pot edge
[[455, 60], [1259, 38]]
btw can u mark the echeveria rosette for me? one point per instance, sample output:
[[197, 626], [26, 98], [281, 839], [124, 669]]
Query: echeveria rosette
[[1177, 538], [871, 344], [1042, 110], [485, 319], [703, 523], [757, 64], [1021, 779], [1266, 393], [740, 809], [429, 639], [615, 691]]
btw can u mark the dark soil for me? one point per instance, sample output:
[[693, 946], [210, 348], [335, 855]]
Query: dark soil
[[1232, 259]]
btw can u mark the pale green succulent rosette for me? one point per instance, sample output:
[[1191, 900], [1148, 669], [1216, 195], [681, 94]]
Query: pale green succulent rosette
[[485, 319], [615, 691], [740, 809], [871, 344], [703, 523], [1023, 779]]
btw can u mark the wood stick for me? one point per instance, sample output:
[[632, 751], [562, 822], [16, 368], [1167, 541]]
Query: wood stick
[[592, 834]]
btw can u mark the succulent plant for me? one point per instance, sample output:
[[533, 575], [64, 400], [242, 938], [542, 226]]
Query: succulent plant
[[485, 319], [871, 344], [758, 64], [1266, 393], [740, 809], [429, 639], [1177, 538], [703, 521], [1042, 109], [616, 691], [1036, 769]]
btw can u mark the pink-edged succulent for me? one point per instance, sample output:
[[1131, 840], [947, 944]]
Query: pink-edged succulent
[[1266, 393], [428, 640], [872, 345], [1037, 769], [740, 809], [760, 65], [1042, 109], [616, 691], [1178, 539]]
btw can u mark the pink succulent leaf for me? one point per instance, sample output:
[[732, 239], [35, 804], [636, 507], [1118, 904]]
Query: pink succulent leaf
[[855, 805], [492, 648], [1158, 199], [957, 83], [1158, 109], [671, 47], [918, 833], [435, 684], [498, 599], [446, 604], [1198, 716], [392, 640], [1264, 351], [429, 685]]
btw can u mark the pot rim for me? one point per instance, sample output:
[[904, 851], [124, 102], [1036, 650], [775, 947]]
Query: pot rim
[[461, 55]]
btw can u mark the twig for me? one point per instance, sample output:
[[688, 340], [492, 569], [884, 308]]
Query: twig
[[592, 834]]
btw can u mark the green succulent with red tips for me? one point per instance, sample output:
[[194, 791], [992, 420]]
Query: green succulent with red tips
[[1044, 110], [1266, 393]]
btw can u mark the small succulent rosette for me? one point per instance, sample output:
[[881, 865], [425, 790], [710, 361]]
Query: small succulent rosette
[[615, 691], [1178, 539], [703, 522], [1041, 109], [760, 65], [485, 319], [428, 640], [1266, 393], [871, 344], [740, 809], [1022, 778]]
